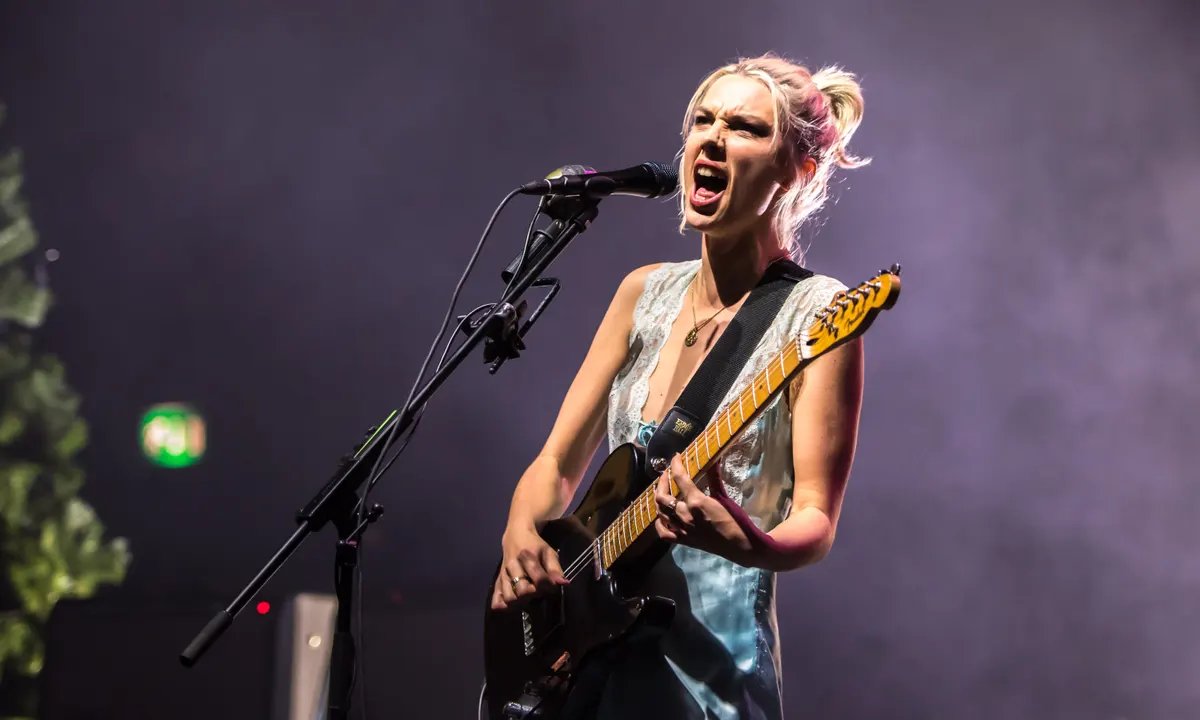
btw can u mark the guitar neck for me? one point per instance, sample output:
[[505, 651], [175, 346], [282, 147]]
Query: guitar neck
[[698, 455], [847, 316]]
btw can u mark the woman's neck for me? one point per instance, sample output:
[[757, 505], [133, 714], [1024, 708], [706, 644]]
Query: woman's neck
[[730, 268]]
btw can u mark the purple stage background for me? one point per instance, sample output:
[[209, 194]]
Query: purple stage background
[[262, 209]]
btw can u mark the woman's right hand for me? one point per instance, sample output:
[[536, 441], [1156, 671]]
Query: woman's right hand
[[530, 567]]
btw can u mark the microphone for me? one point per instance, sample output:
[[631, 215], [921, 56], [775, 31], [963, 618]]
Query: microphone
[[647, 180]]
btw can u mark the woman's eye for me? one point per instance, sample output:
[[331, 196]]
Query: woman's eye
[[755, 130]]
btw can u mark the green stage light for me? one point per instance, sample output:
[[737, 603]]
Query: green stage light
[[173, 435]]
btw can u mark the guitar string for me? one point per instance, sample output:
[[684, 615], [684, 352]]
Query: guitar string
[[587, 556], [575, 568]]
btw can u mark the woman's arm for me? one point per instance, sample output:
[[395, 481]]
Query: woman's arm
[[549, 483], [825, 411]]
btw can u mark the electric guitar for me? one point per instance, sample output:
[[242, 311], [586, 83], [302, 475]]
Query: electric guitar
[[606, 546]]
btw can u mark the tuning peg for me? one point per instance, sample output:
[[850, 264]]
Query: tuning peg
[[895, 269]]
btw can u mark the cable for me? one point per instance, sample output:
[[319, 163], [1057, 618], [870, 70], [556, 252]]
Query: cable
[[374, 475], [421, 411], [528, 245], [377, 470]]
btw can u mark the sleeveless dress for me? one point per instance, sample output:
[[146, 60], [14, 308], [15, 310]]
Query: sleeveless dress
[[720, 657]]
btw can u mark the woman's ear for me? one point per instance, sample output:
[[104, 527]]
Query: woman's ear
[[801, 172], [808, 169]]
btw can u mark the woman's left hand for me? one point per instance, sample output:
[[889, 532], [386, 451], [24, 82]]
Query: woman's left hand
[[697, 520]]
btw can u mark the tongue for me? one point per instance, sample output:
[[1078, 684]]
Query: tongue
[[703, 195]]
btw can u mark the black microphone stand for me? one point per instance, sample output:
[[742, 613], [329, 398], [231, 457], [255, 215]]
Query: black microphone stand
[[337, 500]]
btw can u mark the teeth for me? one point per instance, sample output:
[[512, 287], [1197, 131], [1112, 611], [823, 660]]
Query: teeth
[[705, 171]]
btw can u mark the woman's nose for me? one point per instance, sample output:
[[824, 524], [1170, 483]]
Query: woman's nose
[[714, 144]]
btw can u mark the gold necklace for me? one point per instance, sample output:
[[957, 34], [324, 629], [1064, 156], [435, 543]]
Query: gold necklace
[[694, 333]]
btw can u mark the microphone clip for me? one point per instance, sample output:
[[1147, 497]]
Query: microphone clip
[[504, 331]]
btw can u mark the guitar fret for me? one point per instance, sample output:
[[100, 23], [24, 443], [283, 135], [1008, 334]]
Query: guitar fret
[[842, 319]]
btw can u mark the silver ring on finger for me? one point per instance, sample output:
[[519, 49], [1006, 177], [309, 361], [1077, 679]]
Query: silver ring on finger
[[672, 506]]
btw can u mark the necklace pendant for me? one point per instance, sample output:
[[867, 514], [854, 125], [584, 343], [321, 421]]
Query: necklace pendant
[[690, 340]]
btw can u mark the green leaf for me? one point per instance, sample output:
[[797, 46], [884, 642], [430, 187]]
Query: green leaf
[[72, 439], [21, 300], [12, 426], [16, 480], [66, 481], [20, 645], [17, 237], [67, 558], [15, 357]]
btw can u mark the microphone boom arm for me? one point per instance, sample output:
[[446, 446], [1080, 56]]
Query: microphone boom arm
[[337, 499]]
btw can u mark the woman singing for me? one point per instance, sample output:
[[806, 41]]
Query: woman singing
[[762, 137]]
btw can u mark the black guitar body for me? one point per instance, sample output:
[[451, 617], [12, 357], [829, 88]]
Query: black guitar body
[[531, 654]]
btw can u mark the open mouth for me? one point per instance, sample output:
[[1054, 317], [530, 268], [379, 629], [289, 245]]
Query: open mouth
[[708, 185]]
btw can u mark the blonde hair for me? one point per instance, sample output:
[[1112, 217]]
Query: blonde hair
[[816, 114]]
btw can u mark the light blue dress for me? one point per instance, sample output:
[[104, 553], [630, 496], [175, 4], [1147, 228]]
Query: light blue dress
[[722, 651]]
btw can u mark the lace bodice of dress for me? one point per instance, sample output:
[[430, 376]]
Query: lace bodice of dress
[[655, 313]]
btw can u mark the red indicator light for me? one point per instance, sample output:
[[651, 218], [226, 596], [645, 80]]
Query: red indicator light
[[263, 607]]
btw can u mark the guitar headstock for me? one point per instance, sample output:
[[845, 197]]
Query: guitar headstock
[[850, 313]]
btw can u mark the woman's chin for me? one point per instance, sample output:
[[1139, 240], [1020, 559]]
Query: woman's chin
[[703, 219]]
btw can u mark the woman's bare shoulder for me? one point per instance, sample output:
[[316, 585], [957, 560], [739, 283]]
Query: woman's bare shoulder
[[633, 284]]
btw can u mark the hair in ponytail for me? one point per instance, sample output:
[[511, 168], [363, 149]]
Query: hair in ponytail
[[816, 114]]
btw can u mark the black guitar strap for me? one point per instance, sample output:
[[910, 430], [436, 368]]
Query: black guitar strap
[[716, 374]]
